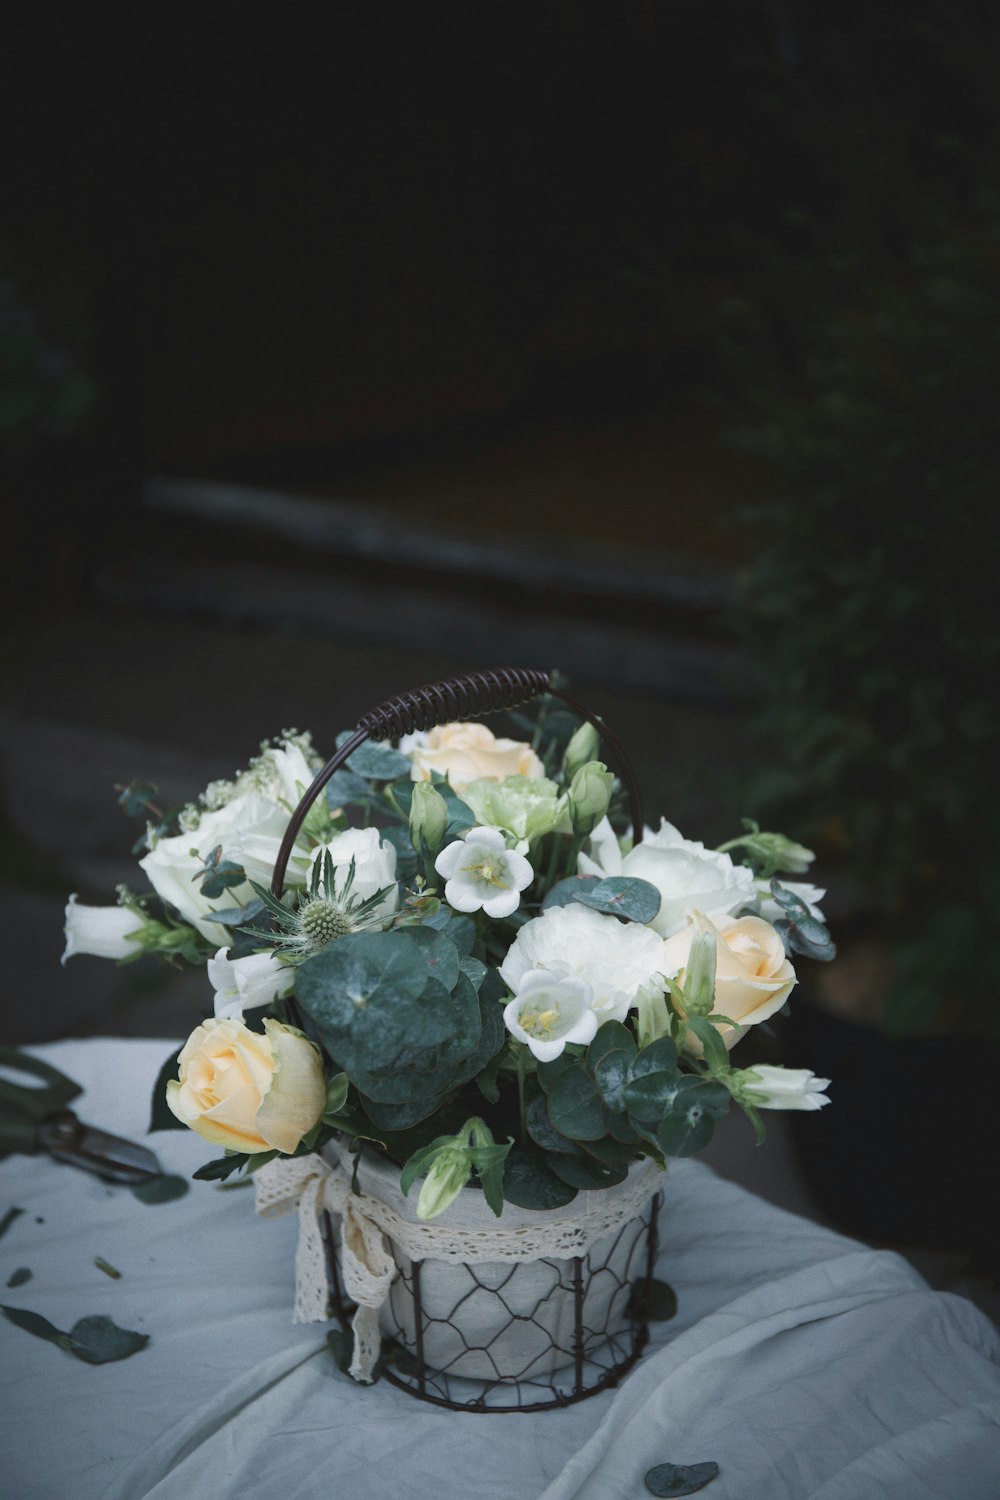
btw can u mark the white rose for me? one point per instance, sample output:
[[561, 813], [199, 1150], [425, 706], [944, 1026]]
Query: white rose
[[103, 931], [468, 752], [374, 866], [249, 829], [753, 978], [243, 983], [617, 960], [687, 875]]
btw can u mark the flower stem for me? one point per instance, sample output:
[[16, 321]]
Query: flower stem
[[521, 1109]]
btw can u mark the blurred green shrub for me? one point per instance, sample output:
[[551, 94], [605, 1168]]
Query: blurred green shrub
[[868, 393]]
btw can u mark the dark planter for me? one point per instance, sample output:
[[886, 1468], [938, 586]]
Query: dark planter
[[906, 1152]]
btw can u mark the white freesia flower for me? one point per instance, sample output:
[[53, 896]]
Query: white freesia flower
[[619, 960], [770, 910], [784, 1088], [374, 868], [549, 1011], [103, 931], [482, 873], [244, 983], [249, 829], [686, 874]]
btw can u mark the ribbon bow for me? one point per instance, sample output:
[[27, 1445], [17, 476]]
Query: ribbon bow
[[313, 1186]]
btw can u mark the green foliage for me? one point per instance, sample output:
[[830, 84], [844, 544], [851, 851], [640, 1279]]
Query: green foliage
[[622, 896], [669, 1480], [96, 1340], [163, 1189], [863, 359]]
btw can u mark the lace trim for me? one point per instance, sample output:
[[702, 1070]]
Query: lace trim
[[468, 1232]]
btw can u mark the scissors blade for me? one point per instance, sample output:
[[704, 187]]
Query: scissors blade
[[108, 1156]]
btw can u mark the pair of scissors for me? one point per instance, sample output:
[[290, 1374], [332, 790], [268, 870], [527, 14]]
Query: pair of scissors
[[36, 1117]]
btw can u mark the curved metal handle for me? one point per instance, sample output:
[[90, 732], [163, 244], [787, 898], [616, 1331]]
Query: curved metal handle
[[470, 696]]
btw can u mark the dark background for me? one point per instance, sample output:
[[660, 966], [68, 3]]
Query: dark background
[[347, 347]]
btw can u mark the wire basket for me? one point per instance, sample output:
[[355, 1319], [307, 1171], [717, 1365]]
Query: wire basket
[[494, 1335]]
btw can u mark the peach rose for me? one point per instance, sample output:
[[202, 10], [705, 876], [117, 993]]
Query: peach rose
[[753, 978], [468, 752], [247, 1091]]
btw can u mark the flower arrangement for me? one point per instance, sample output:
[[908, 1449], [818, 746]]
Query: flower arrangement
[[468, 966]]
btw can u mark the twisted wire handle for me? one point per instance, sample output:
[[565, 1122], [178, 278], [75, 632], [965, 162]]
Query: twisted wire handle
[[472, 695]]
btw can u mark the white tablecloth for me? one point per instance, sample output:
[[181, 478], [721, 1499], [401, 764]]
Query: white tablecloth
[[802, 1363]]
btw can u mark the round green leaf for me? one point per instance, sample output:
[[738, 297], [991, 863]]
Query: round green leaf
[[543, 1132], [439, 954], [669, 1480], [529, 1182], [575, 1106], [564, 893], [585, 1173], [622, 896]]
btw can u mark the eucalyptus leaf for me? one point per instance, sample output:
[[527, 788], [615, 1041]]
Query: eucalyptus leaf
[[474, 971], [439, 954], [586, 1173], [669, 1480], [575, 1107], [362, 993], [660, 1302], [347, 787], [376, 762], [611, 1037], [222, 877], [529, 1182], [406, 855], [542, 1130], [99, 1341], [162, 1189], [564, 892], [622, 896], [135, 800], [616, 1153], [235, 916], [96, 1340], [8, 1219], [397, 1117], [689, 1122], [654, 1077], [611, 1075], [420, 1082], [20, 1276]]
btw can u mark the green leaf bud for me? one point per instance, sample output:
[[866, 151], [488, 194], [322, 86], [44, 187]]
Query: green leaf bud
[[581, 748], [447, 1177], [589, 795], [699, 978], [428, 817]]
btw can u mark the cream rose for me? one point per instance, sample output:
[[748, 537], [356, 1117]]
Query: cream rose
[[753, 978], [246, 1091], [468, 752]]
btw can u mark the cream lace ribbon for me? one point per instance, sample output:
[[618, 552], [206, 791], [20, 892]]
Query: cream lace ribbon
[[368, 1225]]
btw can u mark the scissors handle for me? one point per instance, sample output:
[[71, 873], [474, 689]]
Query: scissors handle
[[34, 1101]]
